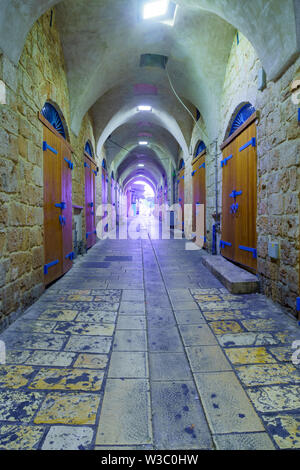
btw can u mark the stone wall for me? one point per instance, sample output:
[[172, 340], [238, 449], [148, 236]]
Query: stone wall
[[278, 150], [40, 76]]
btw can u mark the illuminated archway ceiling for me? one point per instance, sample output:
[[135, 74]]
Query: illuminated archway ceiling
[[103, 40]]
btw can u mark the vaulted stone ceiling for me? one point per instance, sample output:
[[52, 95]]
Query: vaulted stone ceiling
[[103, 40]]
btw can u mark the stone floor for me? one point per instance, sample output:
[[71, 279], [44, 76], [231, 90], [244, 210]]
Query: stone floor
[[140, 347]]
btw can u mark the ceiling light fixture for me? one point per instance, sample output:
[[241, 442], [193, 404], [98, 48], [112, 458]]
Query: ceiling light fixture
[[143, 142], [155, 9], [141, 164], [144, 108]]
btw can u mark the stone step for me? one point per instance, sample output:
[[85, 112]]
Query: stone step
[[234, 278]]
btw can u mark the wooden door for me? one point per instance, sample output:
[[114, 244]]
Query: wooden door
[[239, 199], [181, 193], [53, 263], [199, 188], [105, 193], [67, 211]]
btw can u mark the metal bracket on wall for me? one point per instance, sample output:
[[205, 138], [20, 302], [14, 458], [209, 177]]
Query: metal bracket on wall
[[46, 266], [251, 250], [48, 147], [224, 162], [251, 142], [70, 164], [224, 244]]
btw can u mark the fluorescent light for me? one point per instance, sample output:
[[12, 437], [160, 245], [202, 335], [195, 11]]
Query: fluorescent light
[[154, 9], [141, 164], [144, 108], [143, 143]]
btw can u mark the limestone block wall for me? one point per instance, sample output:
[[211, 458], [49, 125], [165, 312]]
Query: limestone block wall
[[39, 76]]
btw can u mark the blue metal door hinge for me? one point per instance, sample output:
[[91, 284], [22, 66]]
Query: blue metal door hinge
[[224, 162], [91, 204], [251, 250], [95, 172], [202, 166], [193, 172], [62, 220], [234, 208], [70, 164], [251, 142], [48, 147], [61, 205], [235, 193], [46, 266], [223, 244], [86, 165], [298, 304], [70, 255]]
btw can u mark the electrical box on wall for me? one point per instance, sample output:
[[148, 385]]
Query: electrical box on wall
[[273, 250]]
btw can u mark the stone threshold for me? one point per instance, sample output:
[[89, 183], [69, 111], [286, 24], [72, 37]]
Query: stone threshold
[[234, 278]]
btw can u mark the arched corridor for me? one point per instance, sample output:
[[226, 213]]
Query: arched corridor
[[149, 224]]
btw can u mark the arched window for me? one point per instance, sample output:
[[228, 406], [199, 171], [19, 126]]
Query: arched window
[[242, 115], [88, 149], [51, 114], [200, 147]]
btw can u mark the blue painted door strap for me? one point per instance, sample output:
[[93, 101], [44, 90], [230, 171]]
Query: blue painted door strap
[[91, 204], [235, 193], [193, 172], [202, 166], [95, 172], [61, 205], [251, 250], [224, 162], [62, 220], [46, 266], [223, 244], [70, 164], [234, 208], [86, 165], [298, 304], [48, 147], [70, 255], [251, 142]]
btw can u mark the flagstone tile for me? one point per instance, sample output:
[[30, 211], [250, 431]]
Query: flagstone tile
[[95, 316], [51, 358], [260, 325], [254, 355], [269, 374], [16, 437], [222, 305], [80, 328], [189, 317], [244, 441], [131, 322], [223, 315], [207, 298], [79, 298], [70, 408], [275, 398], [67, 379], [91, 361], [33, 326], [89, 344], [282, 354], [246, 339], [207, 359], [58, 315], [15, 376], [194, 335], [224, 326], [128, 365], [285, 430], [35, 341], [130, 340], [17, 357], [16, 405], [68, 438]]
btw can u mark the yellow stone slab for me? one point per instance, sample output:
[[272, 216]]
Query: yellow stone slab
[[80, 408], [14, 437], [58, 315], [268, 374], [14, 376], [207, 298], [67, 379], [226, 315], [221, 327], [80, 298], [255, 355], [91, 361], [257, 324], [285, 430]]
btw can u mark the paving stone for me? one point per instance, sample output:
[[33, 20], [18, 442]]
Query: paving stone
[[275, 398], [19, 405], [226, 405], [91, 361], [33, 326], [189, 317], [132, 308], [58, 315], [135, 295], [223, 315], [169, 366], [95, 316], [15, 376], [130, 340], [282, 354], [70, 408], [284, 430], [224, 326], [260, 325], [15, 437], [67, 379], [260, 374], [35, 341], [125, 415], [194, 335], [89, 344], [68, 438], [207, 359], [178, 306], [164, 339], [131, 322], [254, 355], [246, 339], [80, 328], [178, 418], [17, 357], [51, 358], [244, 441], [158, 318], [128, 365]]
